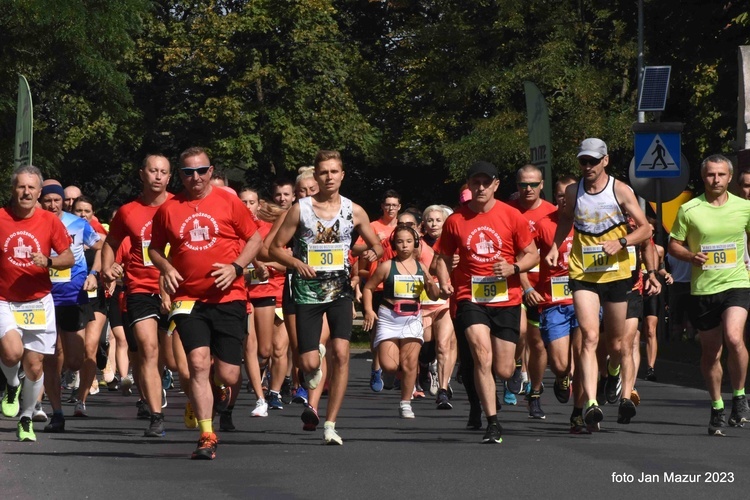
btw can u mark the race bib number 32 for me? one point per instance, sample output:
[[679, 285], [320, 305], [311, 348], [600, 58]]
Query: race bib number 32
[[721, 256], [326, 257], [595, 260], [29, 315], [488, 289]]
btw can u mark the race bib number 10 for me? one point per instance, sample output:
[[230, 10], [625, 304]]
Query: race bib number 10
[[488, 289], [595, 260], [326, 257], [721, 256]]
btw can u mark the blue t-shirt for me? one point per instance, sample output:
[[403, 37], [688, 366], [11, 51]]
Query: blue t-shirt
[[67, 285]]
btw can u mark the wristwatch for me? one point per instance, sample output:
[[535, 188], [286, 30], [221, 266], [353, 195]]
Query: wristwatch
[[516, 269], [623, 242]]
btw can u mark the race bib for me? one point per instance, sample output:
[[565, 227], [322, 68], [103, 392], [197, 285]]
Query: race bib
[[29, 315], [92, 294], [146, 257], [326, 256], [721, 256], [59, 275], [535, 269], [254, 280], [181, 307], [632, 258], [426, 301], [488, 289], [560, 288], [595, 260], [407, 287]]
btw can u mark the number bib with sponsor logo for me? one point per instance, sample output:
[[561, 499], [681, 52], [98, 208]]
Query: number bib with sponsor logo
[[560, 288], [93, 293], [595, 260], [146, 257], [632, 258], [181, 307], [59, 275], [326, 256], [426, 301], [407, 287], [721, 256], [29, 315], [488, 289], [254, 280]]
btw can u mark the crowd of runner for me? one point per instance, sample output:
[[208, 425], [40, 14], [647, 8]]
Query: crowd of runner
[[209, 280]]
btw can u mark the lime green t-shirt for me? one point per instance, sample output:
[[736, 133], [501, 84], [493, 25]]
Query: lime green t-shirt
[[718, 231]]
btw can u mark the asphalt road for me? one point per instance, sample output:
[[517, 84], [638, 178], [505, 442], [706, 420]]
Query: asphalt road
[[432, 456]]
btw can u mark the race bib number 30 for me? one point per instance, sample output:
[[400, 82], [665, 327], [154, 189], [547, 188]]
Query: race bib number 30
[[29, 315], [721, 256], [59, 275], [560, 288], [488, 289], [595, 260], [326, 257], [407, 287]]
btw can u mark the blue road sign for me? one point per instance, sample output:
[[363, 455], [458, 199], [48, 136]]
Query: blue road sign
[[657, 154]]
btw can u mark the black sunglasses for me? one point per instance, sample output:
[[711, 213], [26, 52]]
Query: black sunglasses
[[524, 185], [589, 161], [189, 171]]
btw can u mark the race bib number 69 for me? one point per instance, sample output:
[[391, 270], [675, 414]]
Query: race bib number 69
[[721, 256]]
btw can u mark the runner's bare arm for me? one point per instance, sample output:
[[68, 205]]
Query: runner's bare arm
[[380, 274], [226, 273], [564, 224], [172, 278], [110, 271], [678, 250], [64, 260], [277, 246], [629, 204], [442, 263], [362, 224]]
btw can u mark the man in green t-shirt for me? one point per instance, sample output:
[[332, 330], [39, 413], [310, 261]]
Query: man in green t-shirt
[[710, 234]]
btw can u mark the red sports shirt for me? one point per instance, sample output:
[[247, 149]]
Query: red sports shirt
[[481, 239], [275, 285], [534, 216], [201, 233], [545, 236], [20, 279], [134, 220]]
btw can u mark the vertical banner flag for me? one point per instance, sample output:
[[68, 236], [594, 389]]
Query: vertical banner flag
[[24, 124], [540, 146]]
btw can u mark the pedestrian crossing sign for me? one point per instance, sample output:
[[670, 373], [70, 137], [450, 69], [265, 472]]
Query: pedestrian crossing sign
[[657, 154]]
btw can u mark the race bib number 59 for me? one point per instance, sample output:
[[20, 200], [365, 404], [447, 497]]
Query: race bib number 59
[[488, 289]]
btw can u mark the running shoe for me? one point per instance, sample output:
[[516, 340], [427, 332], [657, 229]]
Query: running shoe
[[38, 415], [310, 419], [493, 434], [80, 410], [577, 426], [535, 406], [525, 389], [376, 380], [418, 393], [207, 444], [261, 409], [265, 382], [56, 424], [94, 389], [330, 436], [300, 396], [561, 388], [313, 378], [600, 398], [113, 385], [274, 401], [626, 411], [434, 380], [225, 421], [286, 390], [167, 380], [144, 413], [10, 406], [71, 380], [156, 427], [475, 419], [442, 401], [404, 410], [718, 423], [125, 386], [740, 412], [73, 397], [650, 374], [515, 382], [25, 430], [613, 388], [222, 398], [450, 391], [635, 397], [191, 422], [509, 398], [592, 416]]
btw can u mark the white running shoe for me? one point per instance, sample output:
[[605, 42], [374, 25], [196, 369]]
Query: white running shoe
[[331, 436], [261, 409], [80, 410], [125, 386], [39, 414], [405, 411]]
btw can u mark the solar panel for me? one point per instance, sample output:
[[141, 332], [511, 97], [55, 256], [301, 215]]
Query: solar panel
[[654, 88]]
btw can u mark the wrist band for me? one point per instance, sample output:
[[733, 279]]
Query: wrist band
[[49, 262], [528, 291], [237, 269]]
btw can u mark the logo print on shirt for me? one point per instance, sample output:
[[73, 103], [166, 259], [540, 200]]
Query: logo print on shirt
[[19, 254], [484, 244], [199, 236]]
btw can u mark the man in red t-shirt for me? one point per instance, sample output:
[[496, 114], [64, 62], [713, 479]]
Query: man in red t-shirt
[[494, 245], [27, 312], [206, 228], [145, 317], [531, 205]]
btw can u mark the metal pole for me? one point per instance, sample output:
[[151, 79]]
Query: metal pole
[[641, 114]]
